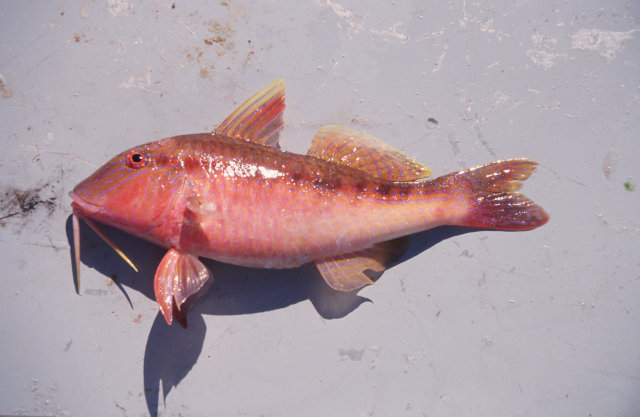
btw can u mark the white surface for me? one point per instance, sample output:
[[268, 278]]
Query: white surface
[[487, 323]]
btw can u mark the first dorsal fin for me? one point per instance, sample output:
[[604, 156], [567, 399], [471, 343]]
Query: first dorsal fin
[[347, 272], [259, 119], [364, 152]]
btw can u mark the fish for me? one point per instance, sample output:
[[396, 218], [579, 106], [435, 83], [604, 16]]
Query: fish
[[233, 195]]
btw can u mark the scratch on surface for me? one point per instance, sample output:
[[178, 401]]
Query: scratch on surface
[[356, 24], [488, 27], [218, 342], [438, 64], [43, 60], [573, 180], [542, 52], [56, 246], [354, 21], [514, 106], [483, 141], [465, 18], [142, 83], [453, 142], [429, 35], [392, 32], [73, 157], [124, 410], [607, 43], [98, 347]]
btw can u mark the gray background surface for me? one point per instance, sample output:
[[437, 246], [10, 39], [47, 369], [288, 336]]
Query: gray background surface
[[543, 323]]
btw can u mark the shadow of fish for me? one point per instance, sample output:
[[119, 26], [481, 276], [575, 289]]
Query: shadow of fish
[[232, 195]]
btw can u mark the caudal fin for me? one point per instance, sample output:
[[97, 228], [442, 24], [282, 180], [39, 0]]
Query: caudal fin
[[495, 202]]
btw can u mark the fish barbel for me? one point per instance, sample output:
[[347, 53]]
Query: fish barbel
[[232, 195]]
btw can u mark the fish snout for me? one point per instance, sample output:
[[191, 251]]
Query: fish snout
[[82, 205]]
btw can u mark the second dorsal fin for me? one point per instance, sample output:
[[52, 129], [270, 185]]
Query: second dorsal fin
[[260, 118], [364, 152]]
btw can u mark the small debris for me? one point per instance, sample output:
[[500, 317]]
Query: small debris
[[609, 163], [5, 90], [351, 354]]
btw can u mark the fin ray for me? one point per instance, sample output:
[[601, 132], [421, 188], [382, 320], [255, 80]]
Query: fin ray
[[347, 272], [180, 279], [260, 118], [495, 202], [367, 153]]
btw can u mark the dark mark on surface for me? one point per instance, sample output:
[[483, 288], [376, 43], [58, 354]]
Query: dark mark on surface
[[214, 39], [81, 37], [23, 202], [432, 120], [222, 35]]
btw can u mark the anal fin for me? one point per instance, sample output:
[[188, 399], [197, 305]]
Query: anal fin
[[347, 272], [180, 279]]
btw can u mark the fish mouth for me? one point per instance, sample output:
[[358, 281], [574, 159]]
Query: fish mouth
[[82, 205], [82, 209]]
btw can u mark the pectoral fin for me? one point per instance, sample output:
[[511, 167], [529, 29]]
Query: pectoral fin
[[180, 279], [364, 152], [259, 119], [347, 272]]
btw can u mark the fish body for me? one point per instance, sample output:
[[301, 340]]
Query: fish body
[[234, 196]]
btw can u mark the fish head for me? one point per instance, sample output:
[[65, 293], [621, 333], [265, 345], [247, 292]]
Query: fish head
[[133, 191]]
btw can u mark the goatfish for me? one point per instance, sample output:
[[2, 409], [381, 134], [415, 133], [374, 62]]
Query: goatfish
[[232, 195]]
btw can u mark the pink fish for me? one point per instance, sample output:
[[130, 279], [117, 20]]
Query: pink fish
[[234, 196]]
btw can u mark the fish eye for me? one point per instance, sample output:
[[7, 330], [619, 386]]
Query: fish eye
[[136, 159]]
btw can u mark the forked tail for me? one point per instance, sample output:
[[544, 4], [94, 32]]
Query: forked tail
[[495, 202]]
